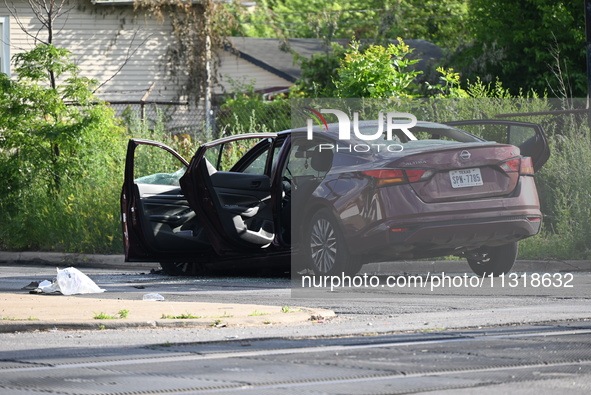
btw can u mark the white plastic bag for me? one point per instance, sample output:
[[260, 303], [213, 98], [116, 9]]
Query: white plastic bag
[[72, 281], [48, 287], [153, 297]]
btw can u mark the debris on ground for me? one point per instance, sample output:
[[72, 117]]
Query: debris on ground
[[69, 281]]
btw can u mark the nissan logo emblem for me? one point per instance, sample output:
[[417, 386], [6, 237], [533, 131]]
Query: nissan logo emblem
[[465, 155]]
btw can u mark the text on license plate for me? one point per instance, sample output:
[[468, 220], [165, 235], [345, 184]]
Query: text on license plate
[[465, 178]]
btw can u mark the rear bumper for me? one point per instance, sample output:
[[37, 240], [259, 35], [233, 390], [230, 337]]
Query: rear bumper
[[411, 228], [467, 234], [394, 240]]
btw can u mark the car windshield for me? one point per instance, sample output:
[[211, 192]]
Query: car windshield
[[163, 178]]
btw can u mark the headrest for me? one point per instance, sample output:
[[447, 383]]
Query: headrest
[[210, 169], [321, 160]]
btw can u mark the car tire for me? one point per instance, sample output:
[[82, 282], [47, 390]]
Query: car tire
[[494, 260], [325, 250], [181, 268]]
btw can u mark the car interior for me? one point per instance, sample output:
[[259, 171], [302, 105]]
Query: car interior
[[167, 220], [242, 202]]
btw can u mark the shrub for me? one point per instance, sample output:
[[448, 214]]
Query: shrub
[[61, 154]]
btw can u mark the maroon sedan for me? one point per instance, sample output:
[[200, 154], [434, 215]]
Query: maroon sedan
[[333, 205]]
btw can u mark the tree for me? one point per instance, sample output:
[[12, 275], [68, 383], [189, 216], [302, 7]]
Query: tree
[[376, 72], [442, 22], [198, 28], [58, 151], [318, 72], [49, 118], [525, 42]]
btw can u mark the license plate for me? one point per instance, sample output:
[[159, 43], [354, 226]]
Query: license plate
[[465, 178]]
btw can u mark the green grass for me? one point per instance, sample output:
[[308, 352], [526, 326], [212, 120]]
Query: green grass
[[103, 316], [257, 313], [225, 315], [184, 316]]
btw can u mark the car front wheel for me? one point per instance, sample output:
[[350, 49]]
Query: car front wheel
[[493, 260]]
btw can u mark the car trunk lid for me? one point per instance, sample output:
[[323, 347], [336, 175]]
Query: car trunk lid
[[464, 172]]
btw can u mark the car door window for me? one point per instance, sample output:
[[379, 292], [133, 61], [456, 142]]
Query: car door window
[[257, 166], [154, 165], [225, 156], [229, 188]]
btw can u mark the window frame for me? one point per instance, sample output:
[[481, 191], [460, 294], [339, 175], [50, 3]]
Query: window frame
[[5, 45]]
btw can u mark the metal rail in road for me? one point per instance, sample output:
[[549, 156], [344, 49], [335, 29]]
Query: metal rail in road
[[550, 358]]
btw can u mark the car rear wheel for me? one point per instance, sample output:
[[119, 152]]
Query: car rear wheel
[[324, 246], [494, 260], [181, 268]]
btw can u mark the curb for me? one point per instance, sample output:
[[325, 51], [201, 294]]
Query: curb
[[32, 326], [438, 266], [70, 259]]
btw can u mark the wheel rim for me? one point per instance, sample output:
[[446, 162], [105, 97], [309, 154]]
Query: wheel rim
[[323, 245]]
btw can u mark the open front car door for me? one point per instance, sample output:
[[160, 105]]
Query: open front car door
[[228, 185]]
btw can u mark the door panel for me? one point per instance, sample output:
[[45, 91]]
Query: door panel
[[235, 205], [167, 220], [241, 181]]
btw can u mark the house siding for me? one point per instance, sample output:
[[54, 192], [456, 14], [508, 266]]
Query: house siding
[[123, 50], [242, 71]]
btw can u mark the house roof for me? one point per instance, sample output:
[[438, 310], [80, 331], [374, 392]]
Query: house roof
[[274, 55]]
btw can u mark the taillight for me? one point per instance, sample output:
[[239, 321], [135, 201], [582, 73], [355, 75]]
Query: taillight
[[398, 176], [415, 175], [511, 165], [521, 164], [527, 166]]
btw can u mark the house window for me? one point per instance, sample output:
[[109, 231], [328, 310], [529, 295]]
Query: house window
[[4, 45]]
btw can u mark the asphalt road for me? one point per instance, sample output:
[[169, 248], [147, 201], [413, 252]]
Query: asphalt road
[[530, 334]]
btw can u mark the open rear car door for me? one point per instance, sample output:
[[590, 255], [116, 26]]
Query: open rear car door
[[529, 137]]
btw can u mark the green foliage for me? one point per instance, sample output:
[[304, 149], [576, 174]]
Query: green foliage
[[58, 148], [449, 85], [564, 187], [122, 314], [51, 128], [311, 18], [257, 313], [437, 21], [376, 72], [525, 43], [246, 112], [317, 78], [252, 22]]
